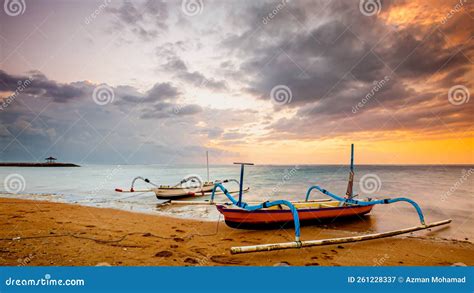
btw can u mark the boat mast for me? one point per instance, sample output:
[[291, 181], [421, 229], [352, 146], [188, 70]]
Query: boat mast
[[241, 182], [207, 164], [349, 193]]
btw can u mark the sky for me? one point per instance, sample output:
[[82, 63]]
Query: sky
[[269, 82]]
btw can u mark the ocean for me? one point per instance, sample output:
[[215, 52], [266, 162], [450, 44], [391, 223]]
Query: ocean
[[442, 191]]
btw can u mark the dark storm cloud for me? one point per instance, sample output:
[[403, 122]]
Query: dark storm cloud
[[332, 58], [199, 80], [163, 91], [39, 86], [412, 57], [330, 55], [159, 102], [147, 20], [85, 131], [159, 93], [176, 66], [168, 110]]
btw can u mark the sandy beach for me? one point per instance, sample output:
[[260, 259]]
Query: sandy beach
[[39, 233]]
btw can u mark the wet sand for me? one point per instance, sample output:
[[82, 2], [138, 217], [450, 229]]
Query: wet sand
[[57, 234]]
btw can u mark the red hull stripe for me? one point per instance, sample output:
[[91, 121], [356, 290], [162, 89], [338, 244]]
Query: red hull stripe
[[277, 216]]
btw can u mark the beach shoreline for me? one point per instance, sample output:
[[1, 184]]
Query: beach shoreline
[[41, 233]]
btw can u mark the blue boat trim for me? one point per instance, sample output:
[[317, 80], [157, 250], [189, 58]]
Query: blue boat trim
[[286, 211], [371, 202]]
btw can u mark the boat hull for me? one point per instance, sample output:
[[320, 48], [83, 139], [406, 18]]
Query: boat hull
[[177, 192], [239, 218]]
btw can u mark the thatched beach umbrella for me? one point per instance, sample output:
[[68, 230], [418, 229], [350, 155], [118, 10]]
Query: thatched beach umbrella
[[50, 160]]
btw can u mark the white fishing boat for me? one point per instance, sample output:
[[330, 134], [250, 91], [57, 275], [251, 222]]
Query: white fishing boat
[[189, 186]]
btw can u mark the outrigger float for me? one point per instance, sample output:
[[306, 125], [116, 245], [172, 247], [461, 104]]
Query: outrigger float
[[239, 214]]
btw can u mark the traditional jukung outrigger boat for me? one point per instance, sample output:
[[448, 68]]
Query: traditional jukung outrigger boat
[[190, 186], [239, 214]]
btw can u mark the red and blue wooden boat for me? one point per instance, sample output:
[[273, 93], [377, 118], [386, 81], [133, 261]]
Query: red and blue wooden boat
[[239, 214], [311, 212]]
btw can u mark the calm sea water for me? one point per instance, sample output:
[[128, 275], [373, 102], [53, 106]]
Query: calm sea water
[[442, 191]]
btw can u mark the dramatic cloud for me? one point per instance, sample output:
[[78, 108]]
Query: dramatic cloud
[[147, 20], [178, 68], [38, 86], [74, 126], [265, 80], [331, 64]]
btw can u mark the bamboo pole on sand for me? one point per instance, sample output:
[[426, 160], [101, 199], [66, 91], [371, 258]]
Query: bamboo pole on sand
[[308, 243]]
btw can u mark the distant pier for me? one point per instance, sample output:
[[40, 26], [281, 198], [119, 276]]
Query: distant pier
[[16, 164], [50, 162]]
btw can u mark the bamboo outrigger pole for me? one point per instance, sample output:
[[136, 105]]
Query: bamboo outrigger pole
[[211, 202], [308, 243]]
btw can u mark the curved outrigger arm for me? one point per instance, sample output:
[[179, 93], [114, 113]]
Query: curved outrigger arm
[[267, 204], [143, 179], [368, 203]]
